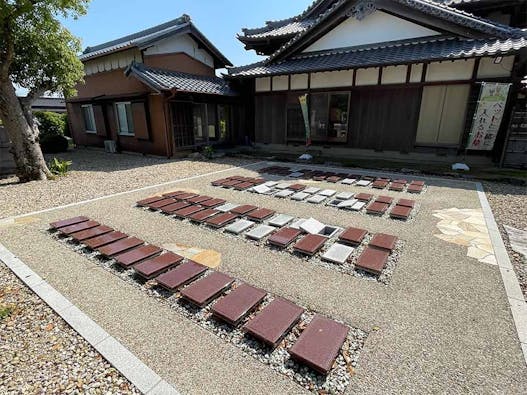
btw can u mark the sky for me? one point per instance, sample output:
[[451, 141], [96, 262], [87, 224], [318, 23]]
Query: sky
[[218, 20]]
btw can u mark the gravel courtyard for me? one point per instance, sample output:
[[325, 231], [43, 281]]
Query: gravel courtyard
[[438, 300]]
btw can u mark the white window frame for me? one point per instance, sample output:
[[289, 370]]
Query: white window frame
[[119, 130], [92, 116]]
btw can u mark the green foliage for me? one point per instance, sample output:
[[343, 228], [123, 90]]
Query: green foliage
[[51, 123], [40, 52], [5, 311], [53, 144], [59, 167], [208, 151]]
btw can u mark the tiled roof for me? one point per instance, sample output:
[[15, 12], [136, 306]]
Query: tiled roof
[[166, 80], [402, 52]]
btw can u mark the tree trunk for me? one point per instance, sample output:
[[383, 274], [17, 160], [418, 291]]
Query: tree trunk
[[23, 133]]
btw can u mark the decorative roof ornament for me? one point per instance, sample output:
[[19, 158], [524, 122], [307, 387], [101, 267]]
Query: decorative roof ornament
[[362, 9]]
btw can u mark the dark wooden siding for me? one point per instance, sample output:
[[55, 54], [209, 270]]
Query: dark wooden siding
[[270, 118]]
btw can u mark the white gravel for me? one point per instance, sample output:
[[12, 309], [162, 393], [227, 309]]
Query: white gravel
[[41, 354]]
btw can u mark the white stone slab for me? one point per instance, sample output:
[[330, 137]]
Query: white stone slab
[[297, 223], [311, 190], [284, 193], [260, 232], [299, 196], [344, 195], [338, 253], [282, 185], [333, 202], [262, 189], [347, 203], [270, 184], [348, 181], [226, 207], [317, 199], [296, 174], [363, 183], [358, 206], [327, 192], [239, 226], [280, 220], [312, 226]]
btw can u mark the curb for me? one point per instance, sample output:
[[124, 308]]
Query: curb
[[145, 379], [515, 297]]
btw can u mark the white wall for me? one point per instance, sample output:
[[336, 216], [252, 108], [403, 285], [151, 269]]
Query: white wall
[[262, 84], [487, 67], [181, 43], [450, 71], [394, 75], [367, 76], [280, 83], [299, 81], [114, 61], [375, 28], [331, 79]]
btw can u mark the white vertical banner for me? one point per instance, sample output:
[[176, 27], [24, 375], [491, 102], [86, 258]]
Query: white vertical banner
[[488, 116]]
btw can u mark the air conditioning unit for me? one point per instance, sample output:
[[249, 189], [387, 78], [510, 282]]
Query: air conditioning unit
[[110, 146]]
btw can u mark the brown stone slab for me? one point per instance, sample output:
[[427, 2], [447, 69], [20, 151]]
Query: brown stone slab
[[173, 193], [257, 181], [353, 235], [413, 188], [201, 216], [319, 344], [231, 183], [400, 212], [243, 185], [319, 178], [150, 200], [406, 203], [310, 244], [384, 199], [93, 232], [219, 183], [333, 179], [136, 255], [379, 184], [154, 266], [206, 289], [102, 240], [186, 196], [120, 246], [236, 305], [400, 181], [395, 186], [363, 197], [68, 222], [372, 260], [198, 199], [297, 187], [243, 209], [68, 230], [284, 237], [187, 211], [174, 207], [161, 203], [221, 220], [382, 240], [416, 182], [181, 275], [272, 323], [376, 208], [260, 214], [212, 203]]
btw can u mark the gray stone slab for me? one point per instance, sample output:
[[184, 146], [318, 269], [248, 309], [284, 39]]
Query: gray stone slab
[[311, 190], [226, 207], [262, 189], [282, 185], [316, 199], [284, 193], [299, 196], [163, 388], [363, 183], [54, 299], [270, 184], [327, 192], [338, 253], [297, 223], [239, 226], [518, 239], [296, 174], [312, 226], [348, 181], [333, 202], [358, 206], [344, 195], [260, 232], [347, 203], [84, 325], [280, 220]]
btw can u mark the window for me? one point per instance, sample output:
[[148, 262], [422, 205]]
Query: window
[[329, 117], [211, 121], [89, 118], [223, 120], [199, 116], [125, 121], [295, 120]]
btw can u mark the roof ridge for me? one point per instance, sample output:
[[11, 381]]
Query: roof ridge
[[143, 67]]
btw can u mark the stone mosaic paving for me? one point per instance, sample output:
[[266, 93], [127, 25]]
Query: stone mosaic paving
[[466, 227]]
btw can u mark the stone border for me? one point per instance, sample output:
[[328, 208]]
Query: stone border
[[515, 297], [145, 379]]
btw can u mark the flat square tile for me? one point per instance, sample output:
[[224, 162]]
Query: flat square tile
[[260, 214], [243, 185], [358, 206], [379, 184], [120, 246], [226, 207], [154, 266], [329, 231], [312, 226], [161, 203], [344, 195], [372, 260], [347, 203], [376, 208], [319, 344], [206, 289], [327, 192], [198, 199], [333, 202], [349, 181], [270, 184], [233, 307], [299, 196], [201, 216], [296, 174], [92, 232], [68, 230], [406, 203], [296, 224], [384, 199], [280, 220], [68, 222], [382, 240], [284, 193], [239, 226], [338, 253], [185, 196], [353, 235], [333, 179], [102, 240], [316, 199], [147, 201], [282, 185], [218, 183], [174, 193], [297, 187], [260, 232], [181, 275], [174, 207], [400, 181], [188, 211], [261, 189], [243, 209], [413, 188], [283, 237], [363, 197], [231, 183], [363, 183], [221, 220], [311, 190], [212, 203], [416, 182], [394, 186], [272, 323], [136, 255], [400, 212], [310, 244]]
